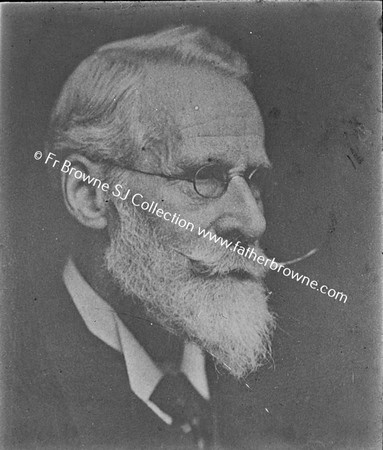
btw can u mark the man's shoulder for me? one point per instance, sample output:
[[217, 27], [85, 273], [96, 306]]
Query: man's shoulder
[[71, 388], [67, 384]]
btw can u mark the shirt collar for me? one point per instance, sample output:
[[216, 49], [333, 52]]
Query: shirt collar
[[102, 321]]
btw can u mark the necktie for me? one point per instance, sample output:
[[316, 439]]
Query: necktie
[[176, 396]]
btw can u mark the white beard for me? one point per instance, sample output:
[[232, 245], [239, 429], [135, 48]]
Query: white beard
[[193, 295]]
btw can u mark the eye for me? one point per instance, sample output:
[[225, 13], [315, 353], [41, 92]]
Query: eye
[[210, 180]]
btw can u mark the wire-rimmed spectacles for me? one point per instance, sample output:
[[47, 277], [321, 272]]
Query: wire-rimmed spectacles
[[212, 180]]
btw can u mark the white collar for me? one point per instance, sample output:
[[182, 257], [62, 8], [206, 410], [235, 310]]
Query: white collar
[[102, 321]]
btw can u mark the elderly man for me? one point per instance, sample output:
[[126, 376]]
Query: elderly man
[[148, 309]]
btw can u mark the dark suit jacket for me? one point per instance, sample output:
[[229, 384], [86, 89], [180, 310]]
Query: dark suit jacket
[[70, 390]]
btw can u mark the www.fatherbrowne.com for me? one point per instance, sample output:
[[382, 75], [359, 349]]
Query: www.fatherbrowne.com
[[287, 272]]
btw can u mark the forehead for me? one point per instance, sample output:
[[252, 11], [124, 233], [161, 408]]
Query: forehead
[[216, 117]]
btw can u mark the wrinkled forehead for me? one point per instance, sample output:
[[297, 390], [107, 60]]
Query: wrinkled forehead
[[213, 116]]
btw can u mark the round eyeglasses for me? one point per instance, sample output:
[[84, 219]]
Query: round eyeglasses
[[212, 180]]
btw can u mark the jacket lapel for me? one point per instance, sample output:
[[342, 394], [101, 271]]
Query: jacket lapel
[[94, 383]]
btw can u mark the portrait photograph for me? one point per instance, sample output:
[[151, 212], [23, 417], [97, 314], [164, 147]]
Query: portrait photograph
[[191, 203]]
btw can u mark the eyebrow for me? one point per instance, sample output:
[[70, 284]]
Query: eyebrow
[[212, 133]]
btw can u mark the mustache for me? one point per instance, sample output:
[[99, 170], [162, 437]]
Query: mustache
[[209, 260], [205, 258]]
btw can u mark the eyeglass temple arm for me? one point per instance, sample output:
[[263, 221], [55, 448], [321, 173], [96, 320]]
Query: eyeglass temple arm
[[162, 175]]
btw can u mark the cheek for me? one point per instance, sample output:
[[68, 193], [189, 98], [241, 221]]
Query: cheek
[[179, 216], [176, 232]]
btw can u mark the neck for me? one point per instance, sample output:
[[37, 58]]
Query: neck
[[163, 347]]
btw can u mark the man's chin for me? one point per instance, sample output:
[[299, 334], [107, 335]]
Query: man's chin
[[227, 315]]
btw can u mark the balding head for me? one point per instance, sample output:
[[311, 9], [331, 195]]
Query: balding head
[[100, 112]]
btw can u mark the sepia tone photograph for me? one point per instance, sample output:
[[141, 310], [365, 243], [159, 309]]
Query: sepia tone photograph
[[190, 226]]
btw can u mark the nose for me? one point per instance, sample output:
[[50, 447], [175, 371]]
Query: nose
[[242, 213]]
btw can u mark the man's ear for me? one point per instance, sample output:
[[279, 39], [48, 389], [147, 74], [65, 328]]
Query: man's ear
[[85, 201]]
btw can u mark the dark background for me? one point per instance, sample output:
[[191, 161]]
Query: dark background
[[317, 81]]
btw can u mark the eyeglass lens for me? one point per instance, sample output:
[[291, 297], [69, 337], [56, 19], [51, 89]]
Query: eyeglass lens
[[211, 180]]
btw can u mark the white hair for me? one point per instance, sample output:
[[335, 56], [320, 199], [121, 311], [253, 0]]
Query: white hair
[[99, 113]]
